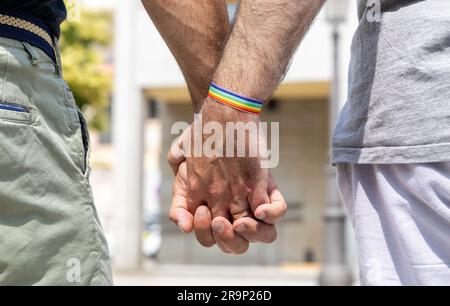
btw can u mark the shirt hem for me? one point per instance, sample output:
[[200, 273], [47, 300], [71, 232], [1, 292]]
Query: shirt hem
[[392, 155]]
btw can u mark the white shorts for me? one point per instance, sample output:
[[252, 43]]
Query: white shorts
[[401, 216]]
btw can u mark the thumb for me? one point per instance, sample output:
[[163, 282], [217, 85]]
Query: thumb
[[259, 195], [179, 210], [175, 156], [177, 152]]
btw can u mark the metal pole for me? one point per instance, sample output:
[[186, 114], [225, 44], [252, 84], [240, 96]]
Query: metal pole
[[128, 113], [335, 271]]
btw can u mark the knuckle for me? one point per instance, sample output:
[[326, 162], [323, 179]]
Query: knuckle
[[214, 195], [217, 191], [239, 210], [193, 184]]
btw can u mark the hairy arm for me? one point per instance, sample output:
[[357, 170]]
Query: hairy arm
[[256, 57], [262, 43], [195, 32]]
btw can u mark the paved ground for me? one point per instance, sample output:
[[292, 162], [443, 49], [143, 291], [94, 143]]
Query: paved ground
[[190, 275]]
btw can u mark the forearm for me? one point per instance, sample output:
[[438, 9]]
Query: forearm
[[262, 43], [195, 32]]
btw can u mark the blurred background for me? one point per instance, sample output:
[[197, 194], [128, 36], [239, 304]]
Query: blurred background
[[131, 90]]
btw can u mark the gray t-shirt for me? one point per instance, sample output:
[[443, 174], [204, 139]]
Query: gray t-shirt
[[398, 107]]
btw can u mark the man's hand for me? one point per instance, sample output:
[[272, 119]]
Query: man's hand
[[229, 184], [265, 35], [253, 63], [231, 238]]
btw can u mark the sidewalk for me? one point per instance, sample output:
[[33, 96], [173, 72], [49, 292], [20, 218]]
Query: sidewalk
[[193, 275]]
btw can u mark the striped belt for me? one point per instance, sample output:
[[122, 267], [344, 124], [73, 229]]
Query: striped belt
[[28, 29]]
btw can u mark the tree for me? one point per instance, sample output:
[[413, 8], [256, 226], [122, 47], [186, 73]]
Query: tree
[[85, 45]]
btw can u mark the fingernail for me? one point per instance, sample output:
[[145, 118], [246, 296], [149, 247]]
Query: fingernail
[[218, 227], [241, 228], [262, 216], [201, 213]]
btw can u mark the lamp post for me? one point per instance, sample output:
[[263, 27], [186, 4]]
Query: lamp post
[[335, 270]]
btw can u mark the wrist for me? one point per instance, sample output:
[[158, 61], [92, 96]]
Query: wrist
[[214, 111], [234, 100]]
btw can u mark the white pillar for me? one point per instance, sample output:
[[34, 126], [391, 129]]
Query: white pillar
[[127, 125]]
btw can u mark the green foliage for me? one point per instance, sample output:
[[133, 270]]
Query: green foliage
[[84, 47]]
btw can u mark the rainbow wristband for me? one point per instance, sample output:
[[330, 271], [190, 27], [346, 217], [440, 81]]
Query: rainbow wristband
[[234, 100]]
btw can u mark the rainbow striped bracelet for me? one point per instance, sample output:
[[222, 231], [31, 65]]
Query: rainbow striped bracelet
[[231, 99]]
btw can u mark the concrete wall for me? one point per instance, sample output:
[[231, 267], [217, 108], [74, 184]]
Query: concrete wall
[[300, 175]]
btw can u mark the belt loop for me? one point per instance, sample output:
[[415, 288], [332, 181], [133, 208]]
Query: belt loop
[[57, 51], [34, 56]]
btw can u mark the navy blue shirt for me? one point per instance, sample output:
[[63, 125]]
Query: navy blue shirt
[[52, 12]]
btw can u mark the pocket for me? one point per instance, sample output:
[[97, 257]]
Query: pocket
[[85, 139], [13, 112], [15, 105]]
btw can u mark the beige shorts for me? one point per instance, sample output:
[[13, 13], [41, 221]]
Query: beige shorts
[[50, 233]]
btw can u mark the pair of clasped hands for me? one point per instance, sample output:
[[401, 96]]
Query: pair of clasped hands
[[228, 201]]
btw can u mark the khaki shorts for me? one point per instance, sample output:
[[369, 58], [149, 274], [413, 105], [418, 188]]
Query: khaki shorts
[[50, 233]]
